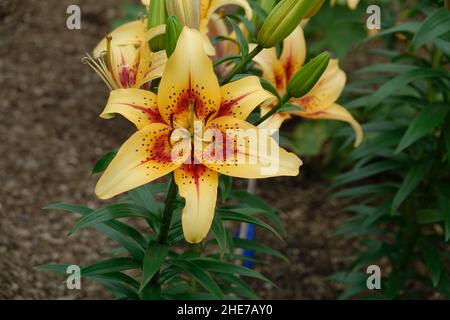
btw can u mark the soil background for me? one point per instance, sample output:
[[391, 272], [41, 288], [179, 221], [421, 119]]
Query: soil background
[[51, 136]]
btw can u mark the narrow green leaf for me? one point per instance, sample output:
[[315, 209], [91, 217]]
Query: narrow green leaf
[[143, 196], [393, 86], [220, 234], [432, 259], [110, 265], [412, 179], [253, 245], [365, 172], [154, 257], [104, 162], [436, 25], [215, 266], [242, 41], [111, 212], [199, 275], [423, 124], [235, 216], [444, 206]]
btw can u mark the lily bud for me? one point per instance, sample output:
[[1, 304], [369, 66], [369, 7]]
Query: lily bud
[[187, 11], [156, 17], [304, 80], [267, 5], [314, 9], [173, 31], [283, 19]]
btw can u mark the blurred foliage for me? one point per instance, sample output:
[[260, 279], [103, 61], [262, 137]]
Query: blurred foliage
[[399, 188]]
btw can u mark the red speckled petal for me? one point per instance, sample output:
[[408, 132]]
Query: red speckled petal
[[249, 153], [138, 106], [188, 82], [144, 157], [197, 184], [240, 98]]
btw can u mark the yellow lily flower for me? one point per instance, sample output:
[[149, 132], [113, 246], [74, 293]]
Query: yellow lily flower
[[189, 94], [129, 61], [352, 4], [320, 102]]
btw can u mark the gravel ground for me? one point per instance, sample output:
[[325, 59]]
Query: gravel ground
[[51, 136]]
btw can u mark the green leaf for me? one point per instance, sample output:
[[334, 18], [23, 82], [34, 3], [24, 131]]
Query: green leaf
[[226, 59], [447, 142], [412, 179], [436, 25], [290, 107], [220, 234], [256, 246], [269, 87], [111, 212], [123, 234], [110, 265], [394, 283], [386, 68], [242, 41], [365, 172], [393, 86], [251, 200], [57, 268], [225, 186], [371, 189], [143, 196], [428, 216], [154, 257], [409, 27], [444, 206], [200, 275], [215, 266], [235, 216], [423, 124], [104, 162], [432, 259], [242, 289]]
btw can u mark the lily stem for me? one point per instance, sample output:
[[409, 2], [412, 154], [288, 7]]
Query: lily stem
[[241, 65], [168, 210], [273, 110], [165, 224]]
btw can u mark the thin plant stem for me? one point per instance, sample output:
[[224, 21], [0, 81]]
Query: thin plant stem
[[274, 110], [241, 65]]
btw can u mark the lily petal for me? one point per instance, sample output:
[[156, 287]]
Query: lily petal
[[188, 81], [198, 185], [248, 152], [294, 52], [209, 7], [151, 66], [273, 69], [138, 106], [338, 112], [127, 34], [241, 97], [144, 157]]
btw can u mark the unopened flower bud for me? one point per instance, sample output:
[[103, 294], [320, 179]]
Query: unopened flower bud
[[283, 19], [187, 12], [304, 80], [157, 16]]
